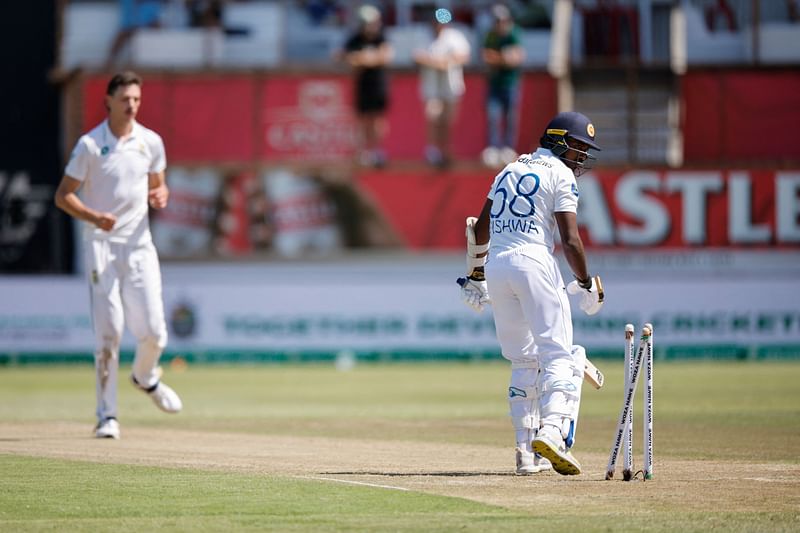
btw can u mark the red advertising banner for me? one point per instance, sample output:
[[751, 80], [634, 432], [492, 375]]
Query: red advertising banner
[[625, 210], [728, 116], [741, 116], [311, 118], [303, 118], [307, 118], [212, 119]]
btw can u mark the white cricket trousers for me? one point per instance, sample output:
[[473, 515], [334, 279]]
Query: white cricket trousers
[[529, 301], [533, 321], [125, 287]]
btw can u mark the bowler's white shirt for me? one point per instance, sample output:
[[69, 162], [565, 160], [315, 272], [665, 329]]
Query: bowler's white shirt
[[115, 179], [525, 196]]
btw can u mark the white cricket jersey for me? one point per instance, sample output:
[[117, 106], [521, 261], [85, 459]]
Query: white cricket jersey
[[115, 179], [525, 196]]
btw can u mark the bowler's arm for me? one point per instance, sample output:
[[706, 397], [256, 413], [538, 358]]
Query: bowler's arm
[[67, 200], [158, 196]]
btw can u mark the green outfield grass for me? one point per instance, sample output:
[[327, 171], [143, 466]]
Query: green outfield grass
[[42, 495], [704, 411]]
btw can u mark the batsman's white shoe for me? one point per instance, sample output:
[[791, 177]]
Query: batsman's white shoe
[[530, 463], [541, 463], [163, 396], [550, 445], [107, 429]]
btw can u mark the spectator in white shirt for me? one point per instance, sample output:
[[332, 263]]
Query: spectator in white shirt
[[442, 84]]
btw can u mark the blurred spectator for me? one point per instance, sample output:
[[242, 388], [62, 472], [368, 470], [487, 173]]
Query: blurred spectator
[[720, 10], [134, 14], [503, 54], [368, 52], [442, 84], [205, 13], [532, 15], [322, 12]]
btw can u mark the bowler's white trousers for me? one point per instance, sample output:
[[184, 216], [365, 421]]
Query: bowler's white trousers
[[125, 284]]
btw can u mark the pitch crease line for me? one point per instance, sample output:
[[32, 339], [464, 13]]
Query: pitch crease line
[[351, 482]]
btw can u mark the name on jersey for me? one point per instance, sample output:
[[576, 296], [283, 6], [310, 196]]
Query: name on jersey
[[529, 161], [521, 225]]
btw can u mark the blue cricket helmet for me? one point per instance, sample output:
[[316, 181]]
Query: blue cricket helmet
[[570, 125], [573, 125]]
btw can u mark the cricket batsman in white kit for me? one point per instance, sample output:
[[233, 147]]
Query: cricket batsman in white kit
[[120, 168], [510, 256]]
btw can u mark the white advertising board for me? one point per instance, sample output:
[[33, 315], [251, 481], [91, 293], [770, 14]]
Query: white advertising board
[[391, 308]]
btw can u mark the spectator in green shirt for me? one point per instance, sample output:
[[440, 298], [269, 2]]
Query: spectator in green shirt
[[503, 54]]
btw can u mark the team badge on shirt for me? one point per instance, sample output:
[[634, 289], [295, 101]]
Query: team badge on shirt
[[575, 190]]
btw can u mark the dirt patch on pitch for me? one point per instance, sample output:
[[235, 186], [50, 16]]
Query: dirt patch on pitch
[[480, 473]]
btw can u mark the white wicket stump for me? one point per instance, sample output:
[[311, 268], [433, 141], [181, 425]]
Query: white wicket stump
[[627, 457], [647, 469], [624, 435]]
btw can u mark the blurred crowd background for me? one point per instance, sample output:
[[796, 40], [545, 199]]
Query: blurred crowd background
[[255, 104], [696, 104]]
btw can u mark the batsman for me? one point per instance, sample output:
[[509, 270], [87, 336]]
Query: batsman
[[510, 255]]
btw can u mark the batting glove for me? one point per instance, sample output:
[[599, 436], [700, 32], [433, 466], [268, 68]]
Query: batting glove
[[591, 293], [474, 293]]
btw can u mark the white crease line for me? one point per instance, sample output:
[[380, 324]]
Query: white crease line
[[354, 482], [770, 479]]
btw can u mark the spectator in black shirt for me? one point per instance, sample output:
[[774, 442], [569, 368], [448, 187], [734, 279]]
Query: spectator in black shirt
[[368, 52]]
